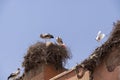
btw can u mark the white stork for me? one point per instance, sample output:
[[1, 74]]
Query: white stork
[[99, 36], [60, 41], [14, 75], [46, 36]]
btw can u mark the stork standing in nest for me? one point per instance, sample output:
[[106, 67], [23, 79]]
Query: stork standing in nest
[[47, 37], [60, 41], [99, 36], [14, 75]]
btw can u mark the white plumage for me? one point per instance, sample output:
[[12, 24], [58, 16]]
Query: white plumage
[[46, 36], [14, 75], [100, 36], [59, 40]]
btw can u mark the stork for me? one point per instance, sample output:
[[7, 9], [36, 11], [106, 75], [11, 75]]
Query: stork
[[14, 75], [99, 36], [46, 36], [60, 41]]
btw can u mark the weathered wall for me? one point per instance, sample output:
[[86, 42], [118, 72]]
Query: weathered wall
[[109, 69], [113, 62], [38, 71], [38, 77], [72, 76], [101, 73], [50, 71], [43, 72]]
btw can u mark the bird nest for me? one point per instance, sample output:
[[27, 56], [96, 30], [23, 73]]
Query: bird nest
[[104, 50], [39, 53]]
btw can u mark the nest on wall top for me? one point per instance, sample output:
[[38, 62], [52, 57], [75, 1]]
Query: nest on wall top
[[104, 50], [39, 53]]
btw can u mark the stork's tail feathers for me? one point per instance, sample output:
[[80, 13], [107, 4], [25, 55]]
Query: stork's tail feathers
[[8, 78]]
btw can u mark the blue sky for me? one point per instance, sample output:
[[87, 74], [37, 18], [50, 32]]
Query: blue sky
[[76, 21]]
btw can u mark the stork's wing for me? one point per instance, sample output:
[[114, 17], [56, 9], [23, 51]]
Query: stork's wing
[[102, 36], [12, 74], [99, 32]]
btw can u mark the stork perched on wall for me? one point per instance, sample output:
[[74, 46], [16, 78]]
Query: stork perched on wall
[[14, 75], [60, 41], [99, 36], [46, 36]]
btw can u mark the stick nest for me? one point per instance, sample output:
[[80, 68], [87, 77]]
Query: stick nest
[[39, 53]]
